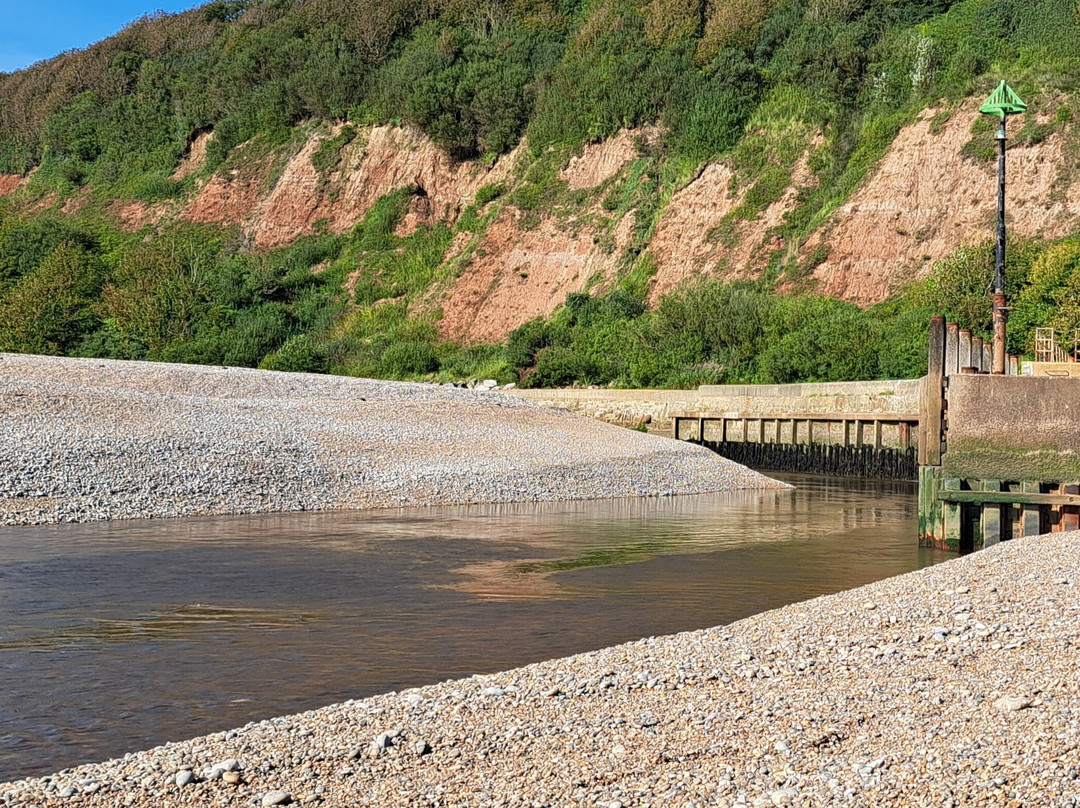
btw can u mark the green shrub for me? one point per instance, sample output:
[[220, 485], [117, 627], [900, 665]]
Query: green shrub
[[301, 353], [408, 358]]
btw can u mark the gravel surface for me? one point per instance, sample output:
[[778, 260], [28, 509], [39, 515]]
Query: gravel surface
[[952, 686], [87, 440]]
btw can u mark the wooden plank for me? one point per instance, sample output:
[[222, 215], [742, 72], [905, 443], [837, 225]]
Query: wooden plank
[[1016, 498], [1032, 523], [991, 514], [951, 514]]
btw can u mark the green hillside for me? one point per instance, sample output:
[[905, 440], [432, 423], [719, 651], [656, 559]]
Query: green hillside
[[752, 82]]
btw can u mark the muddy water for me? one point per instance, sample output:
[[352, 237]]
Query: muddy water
[[122, 636]]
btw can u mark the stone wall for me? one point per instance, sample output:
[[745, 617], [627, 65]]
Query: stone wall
[[656, 408]]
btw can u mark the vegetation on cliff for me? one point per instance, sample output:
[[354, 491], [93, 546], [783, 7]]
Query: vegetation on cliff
[[762, 85]]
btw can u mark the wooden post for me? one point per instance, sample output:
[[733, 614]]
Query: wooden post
[[794, 432], [858, 434], [761, 430], [877, 434], [965, 348], [951, 513], [1032, 524], [931, 530], [1015, 517], [677, 421], [745, 428], [723, 430], [778, 431], [991, 516], [977, 354], [932, 397], [1070, 514], [701, 430], [952, 348]]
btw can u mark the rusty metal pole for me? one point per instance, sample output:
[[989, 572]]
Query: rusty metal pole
[[1001, 313]]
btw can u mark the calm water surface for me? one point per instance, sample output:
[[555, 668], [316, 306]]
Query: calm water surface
[[121, 636]]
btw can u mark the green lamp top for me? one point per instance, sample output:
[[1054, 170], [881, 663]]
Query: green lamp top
[[1003, 101]]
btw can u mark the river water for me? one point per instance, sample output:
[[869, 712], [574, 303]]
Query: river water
[[121, 636]]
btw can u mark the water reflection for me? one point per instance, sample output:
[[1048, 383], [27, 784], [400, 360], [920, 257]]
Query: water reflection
[[124, 635]]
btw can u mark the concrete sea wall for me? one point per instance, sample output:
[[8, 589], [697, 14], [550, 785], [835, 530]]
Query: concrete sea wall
[[657, 408]]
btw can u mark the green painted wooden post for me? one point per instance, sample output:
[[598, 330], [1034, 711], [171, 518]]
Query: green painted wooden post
[[931, 530], [951, 513], [991, 516], [1031, 521]]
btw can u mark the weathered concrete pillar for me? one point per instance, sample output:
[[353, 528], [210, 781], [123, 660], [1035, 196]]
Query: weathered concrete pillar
[[988, 357], [952, 349], [977, 354]]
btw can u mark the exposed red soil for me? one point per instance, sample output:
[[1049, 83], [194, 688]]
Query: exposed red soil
[[195, 159], [599, 162], [382, 159], [522, 274], [10, 183], [926, 199], [227, 200]]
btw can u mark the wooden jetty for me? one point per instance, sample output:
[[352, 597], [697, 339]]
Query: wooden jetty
[[876, 445]]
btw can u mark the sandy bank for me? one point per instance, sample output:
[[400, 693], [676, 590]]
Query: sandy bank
[[88, 440], [955, 685]]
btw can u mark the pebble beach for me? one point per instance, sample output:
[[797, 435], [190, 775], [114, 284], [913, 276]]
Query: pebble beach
[[84, 440], [952, 686]]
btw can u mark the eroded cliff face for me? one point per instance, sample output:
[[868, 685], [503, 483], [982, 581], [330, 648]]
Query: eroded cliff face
[[926, 198], [923, 200]]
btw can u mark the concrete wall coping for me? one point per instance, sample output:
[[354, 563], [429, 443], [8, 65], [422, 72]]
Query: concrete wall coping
[[878, 388]]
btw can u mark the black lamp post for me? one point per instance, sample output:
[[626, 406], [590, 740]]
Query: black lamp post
[[1002, 103]]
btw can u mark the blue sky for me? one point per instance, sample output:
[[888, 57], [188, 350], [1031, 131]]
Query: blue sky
[[32, 30]]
